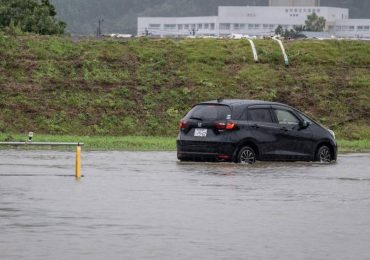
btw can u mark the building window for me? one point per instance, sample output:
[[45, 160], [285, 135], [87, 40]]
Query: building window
[[351, 28], [360, 28], [186, 26], [272, 26], [265, 26], [286, 10], [154, 26], [212, 26], [206, 26], [239, 26], [309, 10], [170, 26], [200, 26], [367, 28], [179, 26], [224, 26], [318, 10], [257, 26]]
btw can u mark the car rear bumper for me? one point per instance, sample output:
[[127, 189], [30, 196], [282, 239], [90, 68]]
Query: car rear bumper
[[205, 151]]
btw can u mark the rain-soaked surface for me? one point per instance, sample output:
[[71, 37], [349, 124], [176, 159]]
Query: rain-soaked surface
[[146, 205]]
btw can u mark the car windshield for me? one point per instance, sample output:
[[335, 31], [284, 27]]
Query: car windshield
[[210, 112]]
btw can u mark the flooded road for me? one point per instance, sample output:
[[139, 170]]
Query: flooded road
[[146, 205]]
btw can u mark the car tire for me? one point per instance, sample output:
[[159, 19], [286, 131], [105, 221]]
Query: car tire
[[324, 155], [246, 155]]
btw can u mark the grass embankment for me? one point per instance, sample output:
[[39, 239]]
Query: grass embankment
[[145, 143], [142, 87]]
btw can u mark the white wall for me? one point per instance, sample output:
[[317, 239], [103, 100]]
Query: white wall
[[183, 25], [352, 28], [297, 12]]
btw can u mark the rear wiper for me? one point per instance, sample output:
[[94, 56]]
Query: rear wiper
[[196, 118]]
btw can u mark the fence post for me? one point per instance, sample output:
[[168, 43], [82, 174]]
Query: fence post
[[78, 162]]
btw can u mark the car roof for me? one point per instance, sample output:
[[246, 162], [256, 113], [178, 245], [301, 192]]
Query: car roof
[[241, 102]]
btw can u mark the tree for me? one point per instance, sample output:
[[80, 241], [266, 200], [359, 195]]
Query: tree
[[314, 23], [292, 33], [51, 8], [30, 16], [279, 30]]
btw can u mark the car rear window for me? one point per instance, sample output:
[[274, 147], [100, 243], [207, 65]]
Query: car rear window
[[210, 112]]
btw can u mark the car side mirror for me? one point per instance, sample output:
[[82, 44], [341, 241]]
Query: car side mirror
[[304, 124]]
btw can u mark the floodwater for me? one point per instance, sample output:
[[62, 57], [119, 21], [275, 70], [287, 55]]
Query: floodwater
[[146, 205]]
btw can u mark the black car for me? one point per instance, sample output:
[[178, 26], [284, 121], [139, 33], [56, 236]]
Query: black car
[[245, 131]]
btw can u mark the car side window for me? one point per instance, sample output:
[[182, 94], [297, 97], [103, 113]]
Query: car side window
[[286, 117], [305, 118], [260, 115]]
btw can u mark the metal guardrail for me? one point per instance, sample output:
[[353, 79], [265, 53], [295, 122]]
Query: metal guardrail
[[41, 143], [78, 174]]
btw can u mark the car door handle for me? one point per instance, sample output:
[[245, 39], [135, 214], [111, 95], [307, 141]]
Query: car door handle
[[284, 129], [255, 126]]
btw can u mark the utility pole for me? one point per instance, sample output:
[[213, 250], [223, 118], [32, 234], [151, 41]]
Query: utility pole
[[99, 30]]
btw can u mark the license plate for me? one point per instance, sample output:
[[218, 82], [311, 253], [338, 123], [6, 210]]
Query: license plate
[[200, 132]]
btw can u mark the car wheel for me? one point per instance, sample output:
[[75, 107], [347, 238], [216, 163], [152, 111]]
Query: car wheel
[[324, 154], [247, 155]]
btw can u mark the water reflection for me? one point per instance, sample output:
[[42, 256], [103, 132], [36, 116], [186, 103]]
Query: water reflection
[[149, 206]]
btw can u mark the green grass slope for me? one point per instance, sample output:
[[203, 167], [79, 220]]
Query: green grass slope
[[54, 85]]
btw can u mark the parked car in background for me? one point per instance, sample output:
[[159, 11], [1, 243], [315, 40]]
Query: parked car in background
[[246, 131]]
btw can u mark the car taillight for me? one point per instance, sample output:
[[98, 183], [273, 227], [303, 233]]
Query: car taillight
[[225, 125], [230, 126], [182, 125]]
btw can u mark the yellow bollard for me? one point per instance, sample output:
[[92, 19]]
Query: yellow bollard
[[78, 162]]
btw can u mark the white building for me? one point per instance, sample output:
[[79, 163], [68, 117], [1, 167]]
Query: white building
[[352, 28], [256, 21]]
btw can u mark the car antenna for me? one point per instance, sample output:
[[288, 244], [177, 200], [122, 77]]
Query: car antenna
[[219, 100]]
